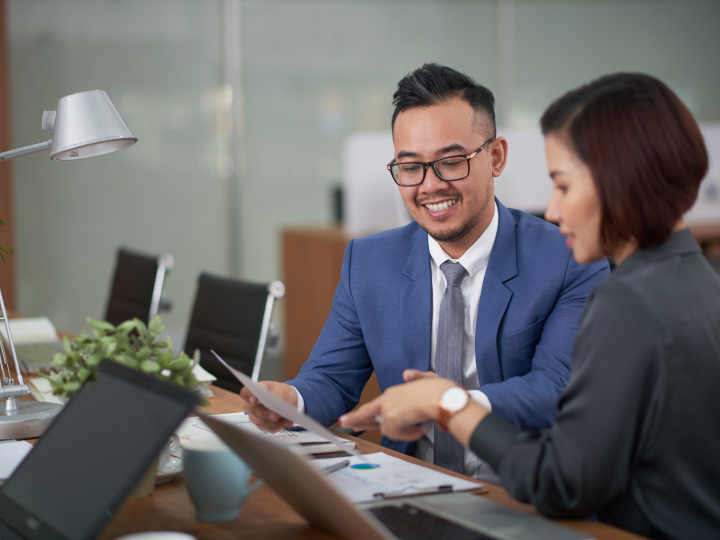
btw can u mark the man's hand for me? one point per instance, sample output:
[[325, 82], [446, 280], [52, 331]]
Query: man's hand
[[263, 417]]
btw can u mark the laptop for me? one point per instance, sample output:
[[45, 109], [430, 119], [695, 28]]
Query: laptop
[[36, 357], [91, 456], [451, 515], [35, 340]]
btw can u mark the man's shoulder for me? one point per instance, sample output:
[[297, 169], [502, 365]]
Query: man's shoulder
[[532, 236], [390, 250], [540, 248], [532, 228]]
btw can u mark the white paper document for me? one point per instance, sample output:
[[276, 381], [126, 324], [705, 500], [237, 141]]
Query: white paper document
[[202, 375], [11, 455], [389, 477], [285, 410], [195, 429], [303, 442]]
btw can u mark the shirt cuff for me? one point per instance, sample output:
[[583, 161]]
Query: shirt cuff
[[301, 401], [481, 398], [491, 439]]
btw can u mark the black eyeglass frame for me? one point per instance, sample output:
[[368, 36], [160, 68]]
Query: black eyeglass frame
[[426, 164]]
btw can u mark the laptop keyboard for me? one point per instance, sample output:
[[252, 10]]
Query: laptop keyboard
[[411, 523]]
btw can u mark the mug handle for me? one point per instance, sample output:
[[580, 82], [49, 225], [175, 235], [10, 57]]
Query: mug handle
[[256, 485]]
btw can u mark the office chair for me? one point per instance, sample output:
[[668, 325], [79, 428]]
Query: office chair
[[137, 286], [232, 318]]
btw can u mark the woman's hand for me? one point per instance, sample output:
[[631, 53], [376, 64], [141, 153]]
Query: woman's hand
[[410, 375], [400, 408]]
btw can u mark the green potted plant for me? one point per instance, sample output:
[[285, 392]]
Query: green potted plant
[[132, 344]]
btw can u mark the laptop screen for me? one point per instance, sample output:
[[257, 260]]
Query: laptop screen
[[92, 455]]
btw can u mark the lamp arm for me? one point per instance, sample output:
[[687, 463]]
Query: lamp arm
[[4, 156]]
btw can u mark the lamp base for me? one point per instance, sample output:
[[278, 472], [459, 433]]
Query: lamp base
[[29, 420]]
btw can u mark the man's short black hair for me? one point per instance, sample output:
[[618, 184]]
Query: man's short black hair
[[433, 84]]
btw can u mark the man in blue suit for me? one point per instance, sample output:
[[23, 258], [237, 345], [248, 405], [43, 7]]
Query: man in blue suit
[[522, 292]]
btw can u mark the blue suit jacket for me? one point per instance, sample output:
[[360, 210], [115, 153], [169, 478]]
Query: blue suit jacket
[[532, 298]]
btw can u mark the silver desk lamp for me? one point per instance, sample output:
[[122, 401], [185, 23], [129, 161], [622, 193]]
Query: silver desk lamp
[[84, 125]]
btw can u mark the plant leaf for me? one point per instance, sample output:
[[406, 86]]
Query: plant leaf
[[148, 366], [156, 326], [66, 345], [100, 327], [71, 387], [93, 361], [180, 362], [59, 359]]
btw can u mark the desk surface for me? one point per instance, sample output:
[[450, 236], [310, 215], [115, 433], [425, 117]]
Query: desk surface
[[265, 515]]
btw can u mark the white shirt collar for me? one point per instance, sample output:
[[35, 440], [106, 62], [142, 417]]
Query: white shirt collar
[[477, 256]]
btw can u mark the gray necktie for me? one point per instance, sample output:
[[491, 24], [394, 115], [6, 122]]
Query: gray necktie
[[448, 452]]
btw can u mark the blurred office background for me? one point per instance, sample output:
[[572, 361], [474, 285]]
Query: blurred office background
[[242, 109]]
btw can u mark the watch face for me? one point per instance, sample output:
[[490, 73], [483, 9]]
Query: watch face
[[454, 399]]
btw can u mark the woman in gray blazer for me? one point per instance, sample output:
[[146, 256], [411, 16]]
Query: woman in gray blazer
[[636, 439]]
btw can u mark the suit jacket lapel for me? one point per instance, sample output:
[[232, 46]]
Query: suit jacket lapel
[[495, 297], [416, 324]]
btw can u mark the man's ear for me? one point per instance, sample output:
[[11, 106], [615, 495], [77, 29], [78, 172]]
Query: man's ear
[[498, 155]]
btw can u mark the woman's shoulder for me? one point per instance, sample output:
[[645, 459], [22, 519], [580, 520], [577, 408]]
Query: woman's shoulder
[[619, 297], [669, 291]]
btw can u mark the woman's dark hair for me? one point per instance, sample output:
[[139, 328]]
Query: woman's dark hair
[[644, 150], [432, 84]]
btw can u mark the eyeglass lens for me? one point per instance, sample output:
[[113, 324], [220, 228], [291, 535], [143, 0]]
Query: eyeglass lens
[[452, 168]]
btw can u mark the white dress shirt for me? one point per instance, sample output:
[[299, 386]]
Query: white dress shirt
[[475, 261]]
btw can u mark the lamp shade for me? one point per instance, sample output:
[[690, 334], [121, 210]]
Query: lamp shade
[[87, 124]]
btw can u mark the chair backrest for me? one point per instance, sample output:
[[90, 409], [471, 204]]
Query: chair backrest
[[231, 317], [137, 286]]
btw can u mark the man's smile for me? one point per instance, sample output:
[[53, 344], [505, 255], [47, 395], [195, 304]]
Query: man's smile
[[443, 205]]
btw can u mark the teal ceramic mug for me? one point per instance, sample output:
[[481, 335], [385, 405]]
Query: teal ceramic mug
[[216, 479]]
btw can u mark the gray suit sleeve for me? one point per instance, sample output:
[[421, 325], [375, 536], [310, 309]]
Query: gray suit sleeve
[[584, 460]]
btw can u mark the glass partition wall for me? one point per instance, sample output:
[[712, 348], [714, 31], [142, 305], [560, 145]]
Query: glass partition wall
[[242, 109]]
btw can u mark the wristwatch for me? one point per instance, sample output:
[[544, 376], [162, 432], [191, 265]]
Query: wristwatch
[[453, 400]]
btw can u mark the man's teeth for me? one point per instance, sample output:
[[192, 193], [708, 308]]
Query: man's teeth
[[439, 206]]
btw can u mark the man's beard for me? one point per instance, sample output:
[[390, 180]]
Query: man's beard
[[455, 234]]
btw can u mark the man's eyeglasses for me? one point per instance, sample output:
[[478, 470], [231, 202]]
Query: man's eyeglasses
[[449, 169]]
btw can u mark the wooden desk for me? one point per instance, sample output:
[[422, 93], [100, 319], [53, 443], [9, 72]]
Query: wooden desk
[[265, 515]]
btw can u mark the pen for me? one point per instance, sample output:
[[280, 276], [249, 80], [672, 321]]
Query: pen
[[445, 488], [336, 467], [295, 428]]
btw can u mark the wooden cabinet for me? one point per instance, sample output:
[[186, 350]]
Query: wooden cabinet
[[7, 269], [311, 271], [312, 259]]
